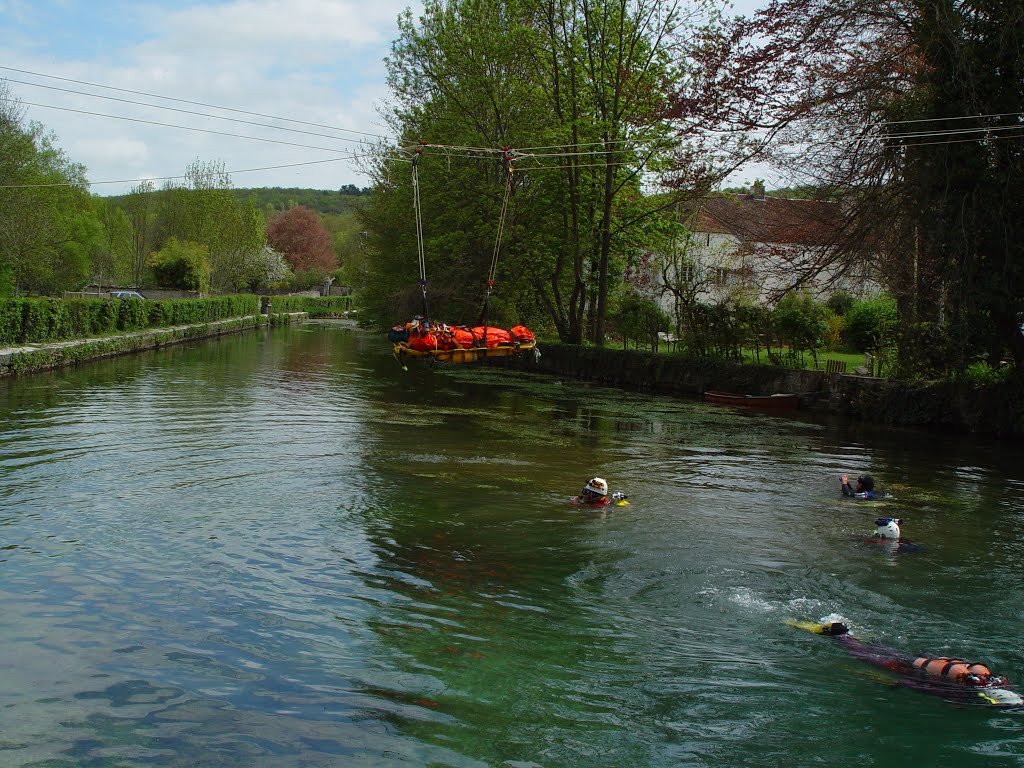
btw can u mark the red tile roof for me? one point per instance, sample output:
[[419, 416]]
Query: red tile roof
[[769, 219]]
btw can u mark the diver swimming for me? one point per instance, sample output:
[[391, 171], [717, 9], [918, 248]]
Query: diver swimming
[[595, 494], [887, 531], [953, 679], [864, 488]]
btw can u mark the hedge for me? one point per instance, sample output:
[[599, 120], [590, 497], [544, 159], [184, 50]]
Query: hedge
[[314, 306], [44, 320]]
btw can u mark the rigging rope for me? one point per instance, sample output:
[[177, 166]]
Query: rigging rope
[[507, 157], [419, 230]]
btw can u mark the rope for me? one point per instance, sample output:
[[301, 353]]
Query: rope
[[507, 157], [501, 217], [419, 230]]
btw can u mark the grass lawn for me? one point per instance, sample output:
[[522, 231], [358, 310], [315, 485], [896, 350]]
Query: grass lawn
[[852, 359]]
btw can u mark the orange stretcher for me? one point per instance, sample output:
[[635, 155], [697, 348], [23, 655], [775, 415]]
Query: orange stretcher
[[458, 344]]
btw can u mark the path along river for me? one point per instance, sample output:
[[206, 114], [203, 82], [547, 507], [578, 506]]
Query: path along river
[[277, 549]]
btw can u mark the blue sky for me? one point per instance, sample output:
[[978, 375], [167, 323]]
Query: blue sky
[[316, 61]]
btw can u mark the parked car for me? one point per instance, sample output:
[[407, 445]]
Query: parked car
[[126, 295]]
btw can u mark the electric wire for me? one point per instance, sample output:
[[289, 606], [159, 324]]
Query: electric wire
[[182, 127], [187, 101], [184, 111], [178, 176]]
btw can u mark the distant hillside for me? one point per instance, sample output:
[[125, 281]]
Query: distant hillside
[[343, 200]]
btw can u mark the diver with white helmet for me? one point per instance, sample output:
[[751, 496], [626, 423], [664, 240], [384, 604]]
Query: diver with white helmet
[[887, 531], [595, 494]]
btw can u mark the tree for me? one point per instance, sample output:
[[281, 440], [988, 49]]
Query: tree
[[112, 259], [586, 78], [299, 235], [183, 265], [204, 210], [48, 229], [911, 113], [140, 208]]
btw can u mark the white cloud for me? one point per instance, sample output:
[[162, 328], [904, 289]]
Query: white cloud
[[317, 61], [279, 25]]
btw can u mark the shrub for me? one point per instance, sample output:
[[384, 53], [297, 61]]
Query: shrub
[[869, 323], [982, 374], [182, 264], [640, 318], [800, 322], [840, 302], [43, 320]]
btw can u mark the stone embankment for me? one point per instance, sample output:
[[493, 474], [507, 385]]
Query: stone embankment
[[40, 357], [996, 410]]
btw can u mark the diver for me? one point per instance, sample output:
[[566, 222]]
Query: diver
[[952, 679], [864, 489], [595, 494], [887, 531]]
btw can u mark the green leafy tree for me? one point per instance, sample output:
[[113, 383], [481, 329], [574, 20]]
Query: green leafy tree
[[205, 210], [113, 258], [140, 207], [182, 265], [48, 229], [800, 323], [589, 78], [640, 319], [869, 323]]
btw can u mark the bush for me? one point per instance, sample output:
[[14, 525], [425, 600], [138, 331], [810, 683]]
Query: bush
[[182, 264], [316, 306], [835, 323], [800, 322], [43, 320], [869, 323], [840, 302], [983, 374], [639, 318]]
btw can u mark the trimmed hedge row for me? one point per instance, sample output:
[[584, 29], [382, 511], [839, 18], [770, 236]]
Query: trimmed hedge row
[[44, 320], [314, 306], [90, 349]]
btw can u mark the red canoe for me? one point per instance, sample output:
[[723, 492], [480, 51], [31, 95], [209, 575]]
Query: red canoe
[[777, 402]]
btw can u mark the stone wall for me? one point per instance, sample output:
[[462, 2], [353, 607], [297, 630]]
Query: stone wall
[[996, 410], [668, 374]]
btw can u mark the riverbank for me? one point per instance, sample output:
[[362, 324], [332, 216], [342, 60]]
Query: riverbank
[[996, 409], [40, 357]]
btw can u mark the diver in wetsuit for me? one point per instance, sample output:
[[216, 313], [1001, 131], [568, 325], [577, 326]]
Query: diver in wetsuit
[[864, 489], [952, 679]]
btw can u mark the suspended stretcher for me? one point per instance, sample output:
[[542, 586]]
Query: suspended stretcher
[[458, 343], [425, 338]]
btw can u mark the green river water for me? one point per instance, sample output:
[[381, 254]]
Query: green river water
[[278, 549]]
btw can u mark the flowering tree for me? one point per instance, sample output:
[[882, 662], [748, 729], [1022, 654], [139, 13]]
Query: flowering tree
[[299, 235]]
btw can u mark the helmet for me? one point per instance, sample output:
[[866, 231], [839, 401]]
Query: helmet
[[888, 527], [866, 483], [596, 486]]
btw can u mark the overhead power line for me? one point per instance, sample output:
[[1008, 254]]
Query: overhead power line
[[192, 103], [181, 127], [182, 111], [183, 176]]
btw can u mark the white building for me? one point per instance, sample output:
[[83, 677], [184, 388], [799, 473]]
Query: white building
[[753, 248]]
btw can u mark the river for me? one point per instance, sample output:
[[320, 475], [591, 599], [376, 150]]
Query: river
[[278, 549]]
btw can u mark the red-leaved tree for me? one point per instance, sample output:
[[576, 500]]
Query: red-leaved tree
[[299, 235]]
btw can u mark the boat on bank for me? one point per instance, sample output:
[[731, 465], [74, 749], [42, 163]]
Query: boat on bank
[[782, 401]]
